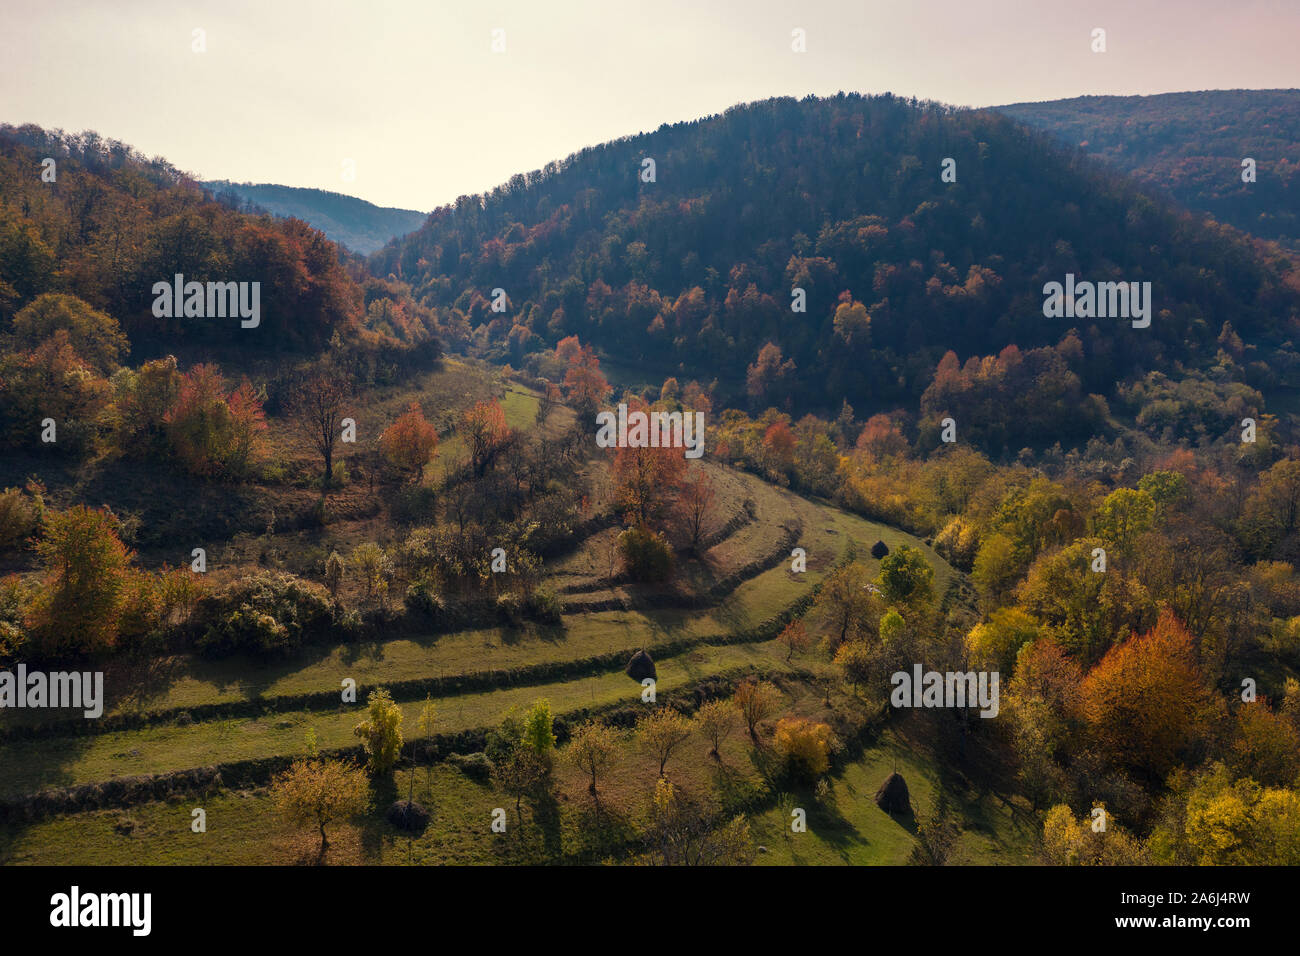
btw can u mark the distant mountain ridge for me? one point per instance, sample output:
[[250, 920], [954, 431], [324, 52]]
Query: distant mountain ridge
[[1191, 146], [361, 226]]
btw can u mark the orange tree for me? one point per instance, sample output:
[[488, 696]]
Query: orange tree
[[79, 608], [410, 442]]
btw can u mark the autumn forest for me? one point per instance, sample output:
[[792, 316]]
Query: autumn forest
[[956, 574]]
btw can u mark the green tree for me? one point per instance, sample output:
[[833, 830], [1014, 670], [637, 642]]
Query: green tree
[[996, 642], [1168, 489], [521, 773], [537, 733], [906, 577], [1122, 516]]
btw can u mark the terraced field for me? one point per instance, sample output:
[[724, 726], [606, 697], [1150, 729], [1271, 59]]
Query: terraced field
[[185, 730], [189, 712]]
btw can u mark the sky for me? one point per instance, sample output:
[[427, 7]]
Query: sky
[[411, 99]]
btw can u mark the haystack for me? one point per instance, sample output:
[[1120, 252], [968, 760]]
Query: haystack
[[408, 815], [641, 666], [892, 797], [879, 550]]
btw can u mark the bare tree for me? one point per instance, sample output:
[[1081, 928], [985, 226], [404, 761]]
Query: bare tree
[[695, 505], [316, 408]]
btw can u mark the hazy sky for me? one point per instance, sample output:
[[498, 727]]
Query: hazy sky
[[412, 93]]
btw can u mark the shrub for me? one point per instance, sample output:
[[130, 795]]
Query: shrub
[[413, 504], [321, 513], [266, 614], [12, 640], [476, 766], [333, 573], [254, 631], [348, 625], [19, 516], [646, 555], [804, 745], [544, 605], [14, 596], [422, 597], [510, 607]]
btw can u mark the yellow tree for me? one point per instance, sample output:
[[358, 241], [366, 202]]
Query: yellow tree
[[381, 735], [716, 719], [805, 745], [661, 732], [318, 792], [592, 749]]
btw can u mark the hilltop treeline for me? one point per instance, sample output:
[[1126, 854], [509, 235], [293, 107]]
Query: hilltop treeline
[[843, 198]]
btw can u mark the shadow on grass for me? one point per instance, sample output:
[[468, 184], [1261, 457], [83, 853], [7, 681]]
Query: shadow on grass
[[602, 831]]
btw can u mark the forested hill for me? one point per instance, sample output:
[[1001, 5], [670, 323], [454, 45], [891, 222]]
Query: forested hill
[[1193, 145], [86, 216], [843, 198], [361, 226]]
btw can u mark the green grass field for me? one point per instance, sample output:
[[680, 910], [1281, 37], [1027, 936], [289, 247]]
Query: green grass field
[[35, 764], [846, 828]]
